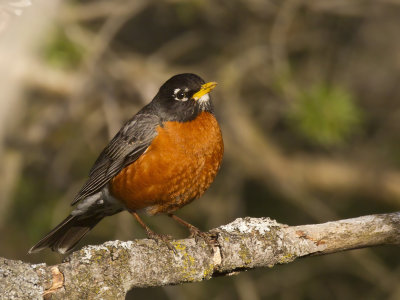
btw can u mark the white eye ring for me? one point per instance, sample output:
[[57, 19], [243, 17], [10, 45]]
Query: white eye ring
[[180, 95]]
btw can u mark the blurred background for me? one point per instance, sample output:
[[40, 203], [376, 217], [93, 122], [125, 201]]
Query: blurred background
[[308, 101]]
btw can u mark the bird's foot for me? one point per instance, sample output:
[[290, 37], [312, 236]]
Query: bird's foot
[[166, 239], [197, 234], [155, 236]]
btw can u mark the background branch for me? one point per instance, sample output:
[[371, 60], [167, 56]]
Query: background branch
[[110, 270]]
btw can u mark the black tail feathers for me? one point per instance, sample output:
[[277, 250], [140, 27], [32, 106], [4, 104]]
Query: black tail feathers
[[68, 233]]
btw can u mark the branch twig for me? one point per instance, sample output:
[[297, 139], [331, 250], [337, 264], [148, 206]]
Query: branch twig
[[110, 270]]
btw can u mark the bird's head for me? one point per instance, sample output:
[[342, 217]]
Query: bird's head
[[183, 97]]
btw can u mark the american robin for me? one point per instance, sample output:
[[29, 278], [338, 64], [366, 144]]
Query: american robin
[[163, 158]]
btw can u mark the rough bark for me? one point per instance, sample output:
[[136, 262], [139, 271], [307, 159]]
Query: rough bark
[[109, 270]]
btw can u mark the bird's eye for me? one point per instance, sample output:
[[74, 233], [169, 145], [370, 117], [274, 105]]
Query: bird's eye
[[180, 95]]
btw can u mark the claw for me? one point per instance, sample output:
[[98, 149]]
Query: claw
[[161, 238], [195, 233]]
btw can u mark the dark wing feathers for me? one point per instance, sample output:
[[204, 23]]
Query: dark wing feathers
[[127, 145]]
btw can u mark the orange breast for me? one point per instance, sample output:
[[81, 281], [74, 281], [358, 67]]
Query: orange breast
[[178, 167]]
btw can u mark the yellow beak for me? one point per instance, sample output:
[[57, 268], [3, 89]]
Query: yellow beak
[[205, 89]]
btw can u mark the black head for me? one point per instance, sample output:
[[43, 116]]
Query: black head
[[183, 97]]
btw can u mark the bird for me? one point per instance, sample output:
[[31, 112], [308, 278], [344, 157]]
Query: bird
[[163, 158]]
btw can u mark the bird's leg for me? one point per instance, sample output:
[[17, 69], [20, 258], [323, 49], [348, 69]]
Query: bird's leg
[[194, 231], [152, 235]]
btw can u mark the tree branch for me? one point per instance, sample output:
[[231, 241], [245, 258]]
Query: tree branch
[[110, 270]]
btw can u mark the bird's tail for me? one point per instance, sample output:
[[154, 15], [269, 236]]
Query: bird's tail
[[82, 219], [68, 233]]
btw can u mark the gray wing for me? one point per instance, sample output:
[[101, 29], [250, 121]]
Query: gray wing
[[126, 147]]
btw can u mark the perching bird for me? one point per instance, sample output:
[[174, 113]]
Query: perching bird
[[163, 158]]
